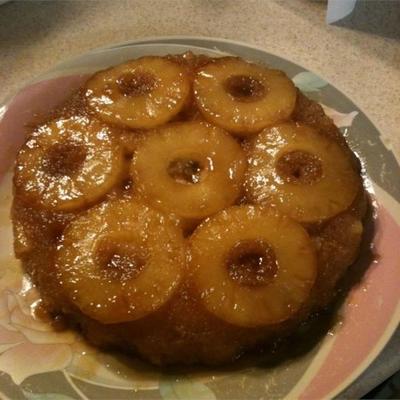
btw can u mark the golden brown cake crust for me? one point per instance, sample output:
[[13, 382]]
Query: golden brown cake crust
[[182, 330]]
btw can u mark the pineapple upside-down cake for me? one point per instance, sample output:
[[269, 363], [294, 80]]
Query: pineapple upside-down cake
[[187, 209]]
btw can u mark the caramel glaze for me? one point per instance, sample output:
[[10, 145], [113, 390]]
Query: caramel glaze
[[182, 331]]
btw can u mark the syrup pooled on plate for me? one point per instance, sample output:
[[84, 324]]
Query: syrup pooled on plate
[[187, 209]]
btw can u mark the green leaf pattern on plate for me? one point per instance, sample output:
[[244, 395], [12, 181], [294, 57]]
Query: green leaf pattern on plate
[[308, 82], [185, 389]]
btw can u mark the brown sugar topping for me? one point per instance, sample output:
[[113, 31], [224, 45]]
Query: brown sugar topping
[[64, 159], [299, 167], [252, 263], [120, 259], [245, 88], [136, 84], [185, 171]]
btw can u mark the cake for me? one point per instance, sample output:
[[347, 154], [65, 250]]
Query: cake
[[187, 209]]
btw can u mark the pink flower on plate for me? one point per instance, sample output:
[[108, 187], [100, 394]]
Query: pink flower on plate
[[29, 346], [341, 120]]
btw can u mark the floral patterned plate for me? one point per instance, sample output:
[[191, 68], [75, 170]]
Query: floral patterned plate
[[39, 363]]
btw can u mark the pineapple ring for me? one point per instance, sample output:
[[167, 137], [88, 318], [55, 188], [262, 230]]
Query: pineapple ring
[[243, 241], [307, 175], [190, 169], [140, 93], [241, 97], [68, 164], [120, 261]]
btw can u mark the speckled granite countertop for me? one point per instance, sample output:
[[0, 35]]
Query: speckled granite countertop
[[360, 55]]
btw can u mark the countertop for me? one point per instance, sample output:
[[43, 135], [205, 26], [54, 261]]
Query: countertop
[[360, 54]]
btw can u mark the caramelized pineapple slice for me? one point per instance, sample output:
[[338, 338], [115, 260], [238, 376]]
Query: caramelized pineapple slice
[[141, 93], [305, 174], [120, 261], [190, 169], [252, 266], [68, 164], [241, 97]]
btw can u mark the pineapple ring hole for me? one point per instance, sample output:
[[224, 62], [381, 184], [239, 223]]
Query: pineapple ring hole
[[136, 84], [252, 263], [245, 88], [299, 167], [120, 259], [64, 159], [127, 184], [185, 171]]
